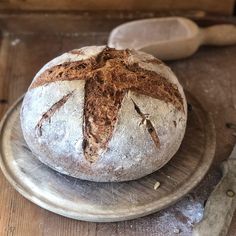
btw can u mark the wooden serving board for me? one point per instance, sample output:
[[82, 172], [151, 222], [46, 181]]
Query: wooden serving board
[[105, 202]]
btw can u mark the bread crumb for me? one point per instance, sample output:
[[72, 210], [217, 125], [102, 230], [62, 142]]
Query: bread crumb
[[157, 185]]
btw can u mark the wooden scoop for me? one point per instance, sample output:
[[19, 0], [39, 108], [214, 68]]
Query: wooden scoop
[[170, 38]]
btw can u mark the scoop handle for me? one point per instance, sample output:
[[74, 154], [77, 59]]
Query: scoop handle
[[224, 34]]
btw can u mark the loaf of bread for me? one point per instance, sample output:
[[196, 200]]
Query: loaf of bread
[[102, 114]]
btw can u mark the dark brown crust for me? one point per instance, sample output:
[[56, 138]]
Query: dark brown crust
[[102, 103], [66, 71], [48, 114], [108, 77], [151, 84], [119, 72]]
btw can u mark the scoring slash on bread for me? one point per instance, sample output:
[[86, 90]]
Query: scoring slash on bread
[[102, 114]]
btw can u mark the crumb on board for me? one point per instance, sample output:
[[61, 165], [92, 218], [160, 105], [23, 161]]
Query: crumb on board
[[157, 185]]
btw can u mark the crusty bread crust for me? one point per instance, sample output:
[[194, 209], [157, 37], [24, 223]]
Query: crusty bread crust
[[102, 114]]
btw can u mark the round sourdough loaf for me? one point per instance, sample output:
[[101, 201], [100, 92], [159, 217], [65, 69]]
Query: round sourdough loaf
[[102, 114]]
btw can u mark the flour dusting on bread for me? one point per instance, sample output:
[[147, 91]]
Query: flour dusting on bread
[[103, 114]]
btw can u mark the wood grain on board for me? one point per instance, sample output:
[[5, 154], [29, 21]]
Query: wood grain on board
[[209, 75], [224, 7]]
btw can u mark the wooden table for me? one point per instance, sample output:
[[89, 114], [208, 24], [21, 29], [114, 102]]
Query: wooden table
[[29, 40]]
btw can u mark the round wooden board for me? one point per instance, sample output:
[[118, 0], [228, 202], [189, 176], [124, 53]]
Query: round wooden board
[[107, 202]]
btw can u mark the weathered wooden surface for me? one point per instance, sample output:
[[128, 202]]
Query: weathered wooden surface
[[210, 75], [223, 7]]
